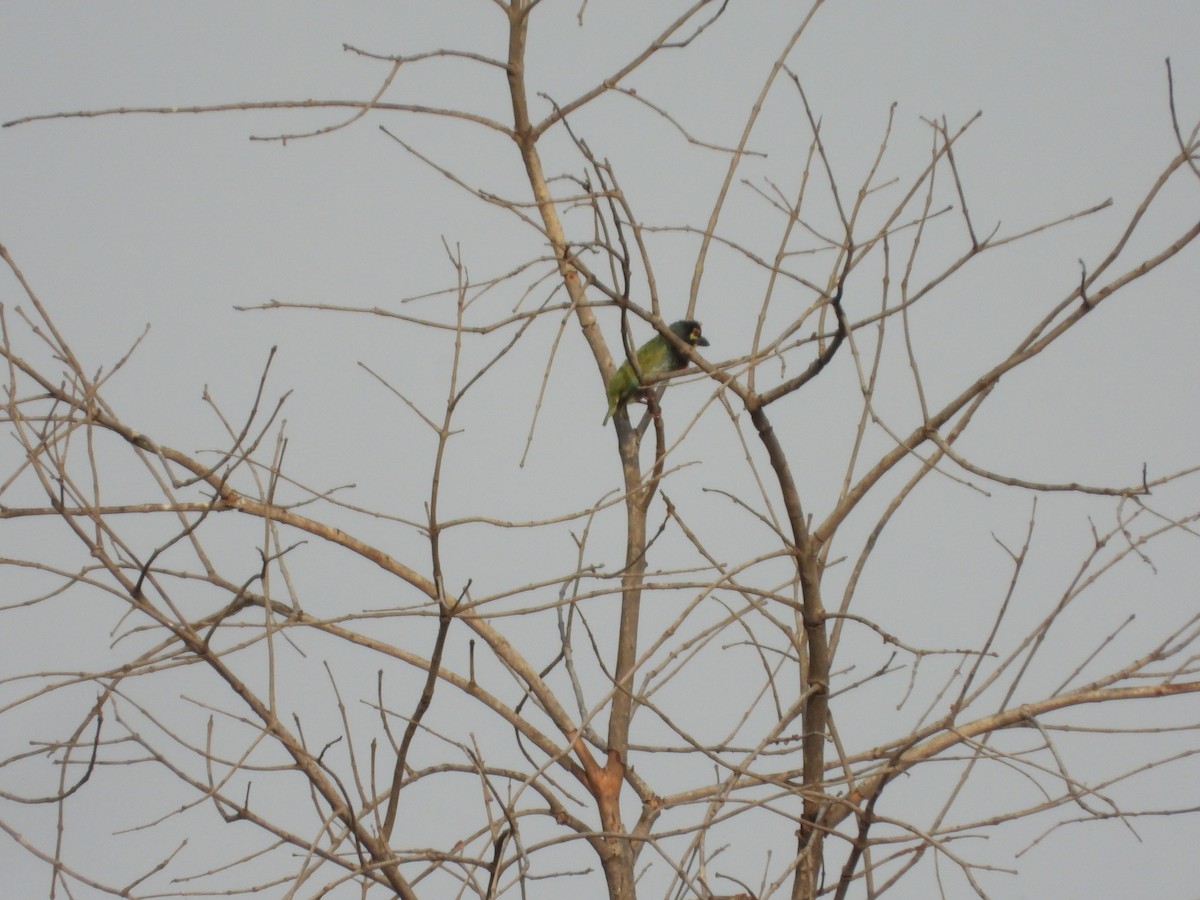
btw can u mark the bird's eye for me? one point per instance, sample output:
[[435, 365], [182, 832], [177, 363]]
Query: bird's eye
[[695, 335]]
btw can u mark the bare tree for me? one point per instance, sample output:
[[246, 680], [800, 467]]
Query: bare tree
[[711, 695]]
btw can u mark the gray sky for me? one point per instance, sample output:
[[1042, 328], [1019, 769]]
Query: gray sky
[[174, 220]]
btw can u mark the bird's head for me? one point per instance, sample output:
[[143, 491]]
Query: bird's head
[[689, 330]]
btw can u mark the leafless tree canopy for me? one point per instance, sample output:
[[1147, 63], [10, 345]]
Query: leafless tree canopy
[[704, 679]]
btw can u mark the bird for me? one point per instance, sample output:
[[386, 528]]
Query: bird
[[655, 357]]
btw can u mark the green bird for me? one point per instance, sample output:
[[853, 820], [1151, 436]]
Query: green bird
[[655, 357]]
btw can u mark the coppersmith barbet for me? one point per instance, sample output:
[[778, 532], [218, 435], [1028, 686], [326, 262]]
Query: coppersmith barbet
[[655, 357]]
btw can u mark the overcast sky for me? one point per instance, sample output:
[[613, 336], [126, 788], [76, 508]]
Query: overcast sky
[[172, 221]]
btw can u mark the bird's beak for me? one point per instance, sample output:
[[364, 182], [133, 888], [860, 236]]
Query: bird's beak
[[702, 342]]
